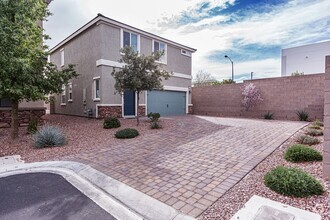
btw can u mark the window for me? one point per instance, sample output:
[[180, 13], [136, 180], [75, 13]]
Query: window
[[62, 57], [5, 102], [186, 53], [63, 99], [70, 92], [96, 90], [130, 40], [158, 46]]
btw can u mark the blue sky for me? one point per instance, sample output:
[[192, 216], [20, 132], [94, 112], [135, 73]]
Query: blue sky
[[252, 33]]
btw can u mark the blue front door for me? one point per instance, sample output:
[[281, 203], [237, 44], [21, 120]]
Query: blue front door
[[129, 103]]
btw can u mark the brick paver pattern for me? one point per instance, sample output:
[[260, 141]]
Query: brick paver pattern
[[194, 164]]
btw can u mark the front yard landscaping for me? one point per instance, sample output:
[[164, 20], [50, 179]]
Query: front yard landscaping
[[277, 165], [80, 134]]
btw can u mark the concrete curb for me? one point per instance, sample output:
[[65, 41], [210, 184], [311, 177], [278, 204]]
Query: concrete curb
[[122, 201]]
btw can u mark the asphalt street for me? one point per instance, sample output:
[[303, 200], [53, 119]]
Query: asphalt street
[[45, 196]]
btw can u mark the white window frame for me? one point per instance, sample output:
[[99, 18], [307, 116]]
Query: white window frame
[[130, 39], [165, 54], [97, 78], [62, 56], [70, 92], [185, 53], [63, 95]]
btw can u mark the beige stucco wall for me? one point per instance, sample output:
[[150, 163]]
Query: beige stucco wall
[[83, 51], [326, 144], [102, 41]]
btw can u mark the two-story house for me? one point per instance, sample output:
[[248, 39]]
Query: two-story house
[[95, 49]]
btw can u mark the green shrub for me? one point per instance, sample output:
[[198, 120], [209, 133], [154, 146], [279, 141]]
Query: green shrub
[[127, 133], [314, 132], [48, 136], [111, 122], [302, 153], [296, 73], [32, 127], [308, 140], [292, 182], [155, 125], [318, 123], [153, 116], [302, 115], [315, 127], [154, 120], [269, 116]]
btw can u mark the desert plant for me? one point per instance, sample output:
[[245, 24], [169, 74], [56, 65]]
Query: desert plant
[[111, 122], [317, 122], [296, 73], [32, 127], [314, 132], [302, 153], [313, 126], [268, 116], [48, 136], [126, 133], [317, 127], [292, 182], [251, 95], [308, 140], [302, 115], [154, 120]]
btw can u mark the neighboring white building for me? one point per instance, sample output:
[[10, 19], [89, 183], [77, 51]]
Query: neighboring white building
[[307, 58]]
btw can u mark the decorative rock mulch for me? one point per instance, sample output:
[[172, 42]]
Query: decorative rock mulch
[[81, 134]]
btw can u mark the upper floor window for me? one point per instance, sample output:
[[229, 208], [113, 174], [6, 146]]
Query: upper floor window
[[70, 92], [131, 40], [63, 98], [62, 57], [158, 46]]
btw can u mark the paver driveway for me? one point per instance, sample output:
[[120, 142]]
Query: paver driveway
[[194, 164]]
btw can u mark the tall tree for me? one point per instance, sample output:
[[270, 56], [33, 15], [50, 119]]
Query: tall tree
[[203, 78], [25, 73], [139, 73]]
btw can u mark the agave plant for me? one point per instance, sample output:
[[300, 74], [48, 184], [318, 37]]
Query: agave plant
[[48, 136]]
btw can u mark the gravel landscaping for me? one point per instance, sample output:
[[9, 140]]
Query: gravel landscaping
[[253, 184], [81, 134]]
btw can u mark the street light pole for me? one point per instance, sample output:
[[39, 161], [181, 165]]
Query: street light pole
[[232, 67]]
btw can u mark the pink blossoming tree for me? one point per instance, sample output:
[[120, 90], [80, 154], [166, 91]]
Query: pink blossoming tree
[[251, 95]]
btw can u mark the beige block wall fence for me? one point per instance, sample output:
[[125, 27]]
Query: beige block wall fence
[[282, 96]]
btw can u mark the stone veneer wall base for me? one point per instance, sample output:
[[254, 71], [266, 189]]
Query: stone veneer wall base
[[24, 115]]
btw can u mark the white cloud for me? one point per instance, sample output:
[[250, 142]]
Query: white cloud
[[285, 26]]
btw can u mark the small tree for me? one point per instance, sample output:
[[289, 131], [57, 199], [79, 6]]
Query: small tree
[[25, 73], [203, 78], [251, 95], [140, 73]]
